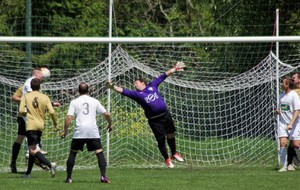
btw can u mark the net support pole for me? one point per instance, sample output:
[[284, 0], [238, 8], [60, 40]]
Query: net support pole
[[28, 33], [277, 80], [109, 76]]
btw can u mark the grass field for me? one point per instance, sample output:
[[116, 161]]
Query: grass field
[[163, 178]]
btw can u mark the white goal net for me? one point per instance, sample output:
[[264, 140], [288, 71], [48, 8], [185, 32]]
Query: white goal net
[[223, 116]]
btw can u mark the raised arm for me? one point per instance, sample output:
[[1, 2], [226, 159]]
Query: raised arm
[[178, 67]]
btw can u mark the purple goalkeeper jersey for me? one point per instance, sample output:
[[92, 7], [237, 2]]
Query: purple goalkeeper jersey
[[149, 98]]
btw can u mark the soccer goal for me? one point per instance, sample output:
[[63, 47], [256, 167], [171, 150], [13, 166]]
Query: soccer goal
[[222, 104]]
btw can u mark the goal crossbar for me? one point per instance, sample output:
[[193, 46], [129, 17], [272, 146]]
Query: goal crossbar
[[244, 39]]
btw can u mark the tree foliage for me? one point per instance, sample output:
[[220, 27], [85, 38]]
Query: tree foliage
[[149, 18]]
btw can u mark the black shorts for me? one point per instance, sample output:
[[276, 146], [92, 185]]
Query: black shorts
[[21, 126], [91, 144], [162, 125], [33, 137]]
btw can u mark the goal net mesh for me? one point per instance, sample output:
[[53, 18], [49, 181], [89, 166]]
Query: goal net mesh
[[223, 109]]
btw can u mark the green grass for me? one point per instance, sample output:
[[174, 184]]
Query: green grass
[[163, 178]]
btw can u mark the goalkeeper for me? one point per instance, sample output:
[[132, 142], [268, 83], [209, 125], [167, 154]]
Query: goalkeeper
[[159, 118]]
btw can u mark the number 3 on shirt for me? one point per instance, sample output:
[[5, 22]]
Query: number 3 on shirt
[[86, 108]]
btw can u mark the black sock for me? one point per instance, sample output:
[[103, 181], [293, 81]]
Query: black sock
[[15, 152], [101, 163], [162, 147], [70, 163], [290, 154], [42, 159], [172, 145], [31, 160]]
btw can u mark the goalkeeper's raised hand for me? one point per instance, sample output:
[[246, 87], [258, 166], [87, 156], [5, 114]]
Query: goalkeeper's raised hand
[[113, 87], [179, 66], [109, 85]]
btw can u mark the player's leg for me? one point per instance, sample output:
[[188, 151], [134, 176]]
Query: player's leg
[[296, 145], [291, 153], [76, 145], [160, 135], [30, 163], [15, 153], [70, 165], [283, 154], [172, 144], [34, 138], [17, 144], [95, 145], [170, 129], [295, 138]]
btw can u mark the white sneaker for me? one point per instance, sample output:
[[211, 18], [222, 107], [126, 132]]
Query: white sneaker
[[283, 169], [27, 154], [178, 157], [53, 169], [169, 163], [290, 167]]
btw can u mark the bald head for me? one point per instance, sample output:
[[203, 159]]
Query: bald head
[[83, 88]]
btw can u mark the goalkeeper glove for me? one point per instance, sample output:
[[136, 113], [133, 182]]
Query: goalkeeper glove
[[179, 66], [109, 85]]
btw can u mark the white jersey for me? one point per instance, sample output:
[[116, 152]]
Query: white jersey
[[27, 86], [85, 109], [288, 104]]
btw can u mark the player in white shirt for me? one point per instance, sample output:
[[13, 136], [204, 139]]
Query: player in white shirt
[[85, 109], [289, 106], [36, 73]]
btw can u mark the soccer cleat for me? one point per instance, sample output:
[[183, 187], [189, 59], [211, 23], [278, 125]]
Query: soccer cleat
[[68, 180], [43, 166], [13, 168], [290, 167], [27, 155], [53, 169], [169, 163], [283, 169], [104, 179], [178, 157]]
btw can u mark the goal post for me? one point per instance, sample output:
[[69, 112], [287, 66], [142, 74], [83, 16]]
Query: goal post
[[222, 104]]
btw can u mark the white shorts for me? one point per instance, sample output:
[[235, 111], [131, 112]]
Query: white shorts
[[282, 132], [295, 133]]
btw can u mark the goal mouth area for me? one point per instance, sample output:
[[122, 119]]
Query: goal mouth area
[[223, 118]]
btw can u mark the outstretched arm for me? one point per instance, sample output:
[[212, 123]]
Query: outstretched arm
[[113, 87], [178, 67]]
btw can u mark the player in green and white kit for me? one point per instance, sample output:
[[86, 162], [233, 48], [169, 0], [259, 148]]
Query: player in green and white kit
[[289, 106]]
